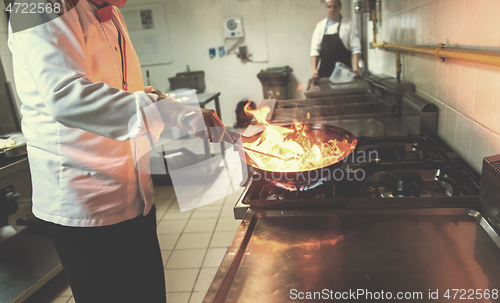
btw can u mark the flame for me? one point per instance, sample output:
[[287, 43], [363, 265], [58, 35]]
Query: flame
[[300, 87], [301, 150]]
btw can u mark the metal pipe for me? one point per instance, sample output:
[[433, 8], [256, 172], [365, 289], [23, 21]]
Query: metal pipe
[[441, 53]]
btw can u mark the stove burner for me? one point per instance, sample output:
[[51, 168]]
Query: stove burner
[[391, 151], [272, 192], [406, 182]]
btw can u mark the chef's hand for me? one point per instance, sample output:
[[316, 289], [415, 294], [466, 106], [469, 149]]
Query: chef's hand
[[356, 70], [152, 90], [205, 124], [315, 74]]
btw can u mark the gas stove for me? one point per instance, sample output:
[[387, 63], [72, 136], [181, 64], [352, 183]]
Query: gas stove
[[398, 157], [382, 168]]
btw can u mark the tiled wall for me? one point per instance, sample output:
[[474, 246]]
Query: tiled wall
[[467, 94]]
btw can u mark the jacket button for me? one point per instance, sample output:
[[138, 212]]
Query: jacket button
[[116, 49]]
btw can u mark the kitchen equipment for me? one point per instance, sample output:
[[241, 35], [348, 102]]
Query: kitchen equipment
[[193, 80], [276, 81], [407, 216], [326, 133]]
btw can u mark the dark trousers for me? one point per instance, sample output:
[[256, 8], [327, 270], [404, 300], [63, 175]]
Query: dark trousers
[[119, 263]]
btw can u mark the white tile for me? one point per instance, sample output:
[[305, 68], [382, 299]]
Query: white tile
[[425, 65], [71, 300], [450, 126], [205, 214], [419, 25], [165, 255], [472, 15], [168, 241], [160, 213], [453, 17], [464, 127], [205, 279], [194, 240], [425, 12], [453, 84], [222, 239], [227, 224], [438, 10], [483, 99], [495, 112], [177, 215], [200, 225], [441, 78], [171, 226], [218, 202], [488, 11], [179, 280], [467, 89], [494, 144], [227, 213], [207, 208], [480, 145], [214, 257], [197, 297], [186, 258], [178, 297]]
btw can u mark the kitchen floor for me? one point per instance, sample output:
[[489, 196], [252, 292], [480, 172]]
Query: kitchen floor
[[193, 244]]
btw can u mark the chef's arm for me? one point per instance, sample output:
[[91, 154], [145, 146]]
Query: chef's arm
[[355, 62], [55, 57], [314, 64]]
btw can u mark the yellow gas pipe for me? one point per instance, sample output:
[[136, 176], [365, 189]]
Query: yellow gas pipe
[[441, 53]]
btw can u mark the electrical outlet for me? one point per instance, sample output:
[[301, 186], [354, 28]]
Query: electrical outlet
[[243, 52]]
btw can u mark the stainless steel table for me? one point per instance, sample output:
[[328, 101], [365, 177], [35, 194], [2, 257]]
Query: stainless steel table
[[28, 260]]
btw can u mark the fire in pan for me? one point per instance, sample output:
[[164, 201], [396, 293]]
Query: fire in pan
[[298, 152]]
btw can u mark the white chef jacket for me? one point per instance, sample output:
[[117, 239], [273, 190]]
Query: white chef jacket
[[348, 34], [75, 111]]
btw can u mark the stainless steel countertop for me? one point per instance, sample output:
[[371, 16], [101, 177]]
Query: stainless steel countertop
[[393, 250]]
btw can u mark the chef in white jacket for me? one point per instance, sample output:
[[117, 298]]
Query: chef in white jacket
[[80, 83]]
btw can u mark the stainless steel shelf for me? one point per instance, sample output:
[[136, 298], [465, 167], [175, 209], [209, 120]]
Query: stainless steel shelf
[[28, 260], [14, 171]]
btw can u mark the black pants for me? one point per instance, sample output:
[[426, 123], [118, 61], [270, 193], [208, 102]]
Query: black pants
[[119, 263]]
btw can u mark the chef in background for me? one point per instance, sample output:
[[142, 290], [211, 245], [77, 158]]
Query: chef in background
[[80, 83], [335, 39]]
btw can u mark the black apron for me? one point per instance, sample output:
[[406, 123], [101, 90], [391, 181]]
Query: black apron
[[332, 51]]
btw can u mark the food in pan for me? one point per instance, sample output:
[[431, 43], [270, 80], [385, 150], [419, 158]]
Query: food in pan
[[304, 147]]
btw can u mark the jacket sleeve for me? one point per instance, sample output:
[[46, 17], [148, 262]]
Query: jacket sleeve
[[316, 39], [354, 43], [54, 55]]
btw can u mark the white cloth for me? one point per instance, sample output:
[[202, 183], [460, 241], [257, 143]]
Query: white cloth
[[76, 119], [348, 34]]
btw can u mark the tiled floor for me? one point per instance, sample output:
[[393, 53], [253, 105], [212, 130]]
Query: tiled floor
[[193, 244]]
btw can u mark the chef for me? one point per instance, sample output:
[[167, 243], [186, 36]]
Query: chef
[[335, 39], [79, 80]]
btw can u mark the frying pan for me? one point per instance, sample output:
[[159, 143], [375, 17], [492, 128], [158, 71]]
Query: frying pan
[[324, 131]]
